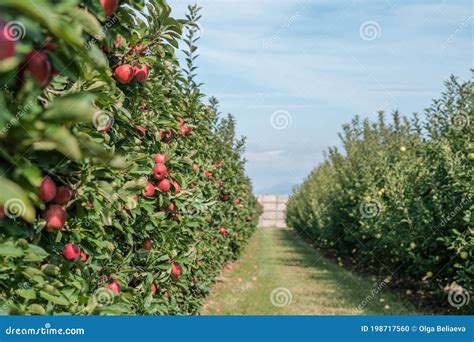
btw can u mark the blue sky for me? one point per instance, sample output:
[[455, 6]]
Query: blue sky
[[311, 65]]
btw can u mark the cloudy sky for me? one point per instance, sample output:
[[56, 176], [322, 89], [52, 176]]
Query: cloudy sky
[[293, 71]]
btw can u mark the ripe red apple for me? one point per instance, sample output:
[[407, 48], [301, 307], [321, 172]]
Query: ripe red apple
[[149, 190], [63, 195], [176, 270], [39, 66], [223, 231], [114, 286], [141, 74], [160, 158], [177, 187], [7, 43], [185, 130], [83, 257], [195, 167], [171, 207], [124, 73], [110, 6], [153, 288], [166, 136], [195, 280], [225, 198], [164, 185], [142, 129], [237, 200], [147, 244], [159, 171], [47, 189], [71, 252], [55, 217]]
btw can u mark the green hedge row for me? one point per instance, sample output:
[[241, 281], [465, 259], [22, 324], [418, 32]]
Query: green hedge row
[[121, 190], [397, 199]]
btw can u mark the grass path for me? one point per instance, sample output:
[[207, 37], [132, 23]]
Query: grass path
[[276, 260]]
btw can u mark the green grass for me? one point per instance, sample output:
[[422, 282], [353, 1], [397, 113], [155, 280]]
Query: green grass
[[276, 258]]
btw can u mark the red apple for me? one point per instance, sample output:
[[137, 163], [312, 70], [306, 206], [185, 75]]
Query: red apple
[[147, 244], [164, 185], [71, 252], [166, 136], [195, 167], [149, 190], [159, 171], [55, 217], [153, 288], [7, 43], [171, 207], [142, 129], [185, 130], [223, 231], [63, 195], [124, 73], [110, 6], [195, 280], [177, 187], [39, 66], [176, 270], [237, 200], [47, 189], [141, 74], [160, 158], [114, 286], [83, 257]]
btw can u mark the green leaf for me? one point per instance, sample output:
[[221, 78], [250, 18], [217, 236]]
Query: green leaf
[[60, 300], [75, 107], [35, 253], [10, 249], [66, 143], [26, 293]]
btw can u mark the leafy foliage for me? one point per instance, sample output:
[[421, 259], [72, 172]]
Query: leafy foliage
[[398, 200], [99, 138]]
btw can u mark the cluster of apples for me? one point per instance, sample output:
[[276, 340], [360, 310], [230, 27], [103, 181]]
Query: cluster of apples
[[55, 215], [36, 63], [160, 171], [125, 73]]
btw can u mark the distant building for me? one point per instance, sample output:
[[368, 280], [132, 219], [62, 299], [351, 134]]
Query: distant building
[[274, 210]]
